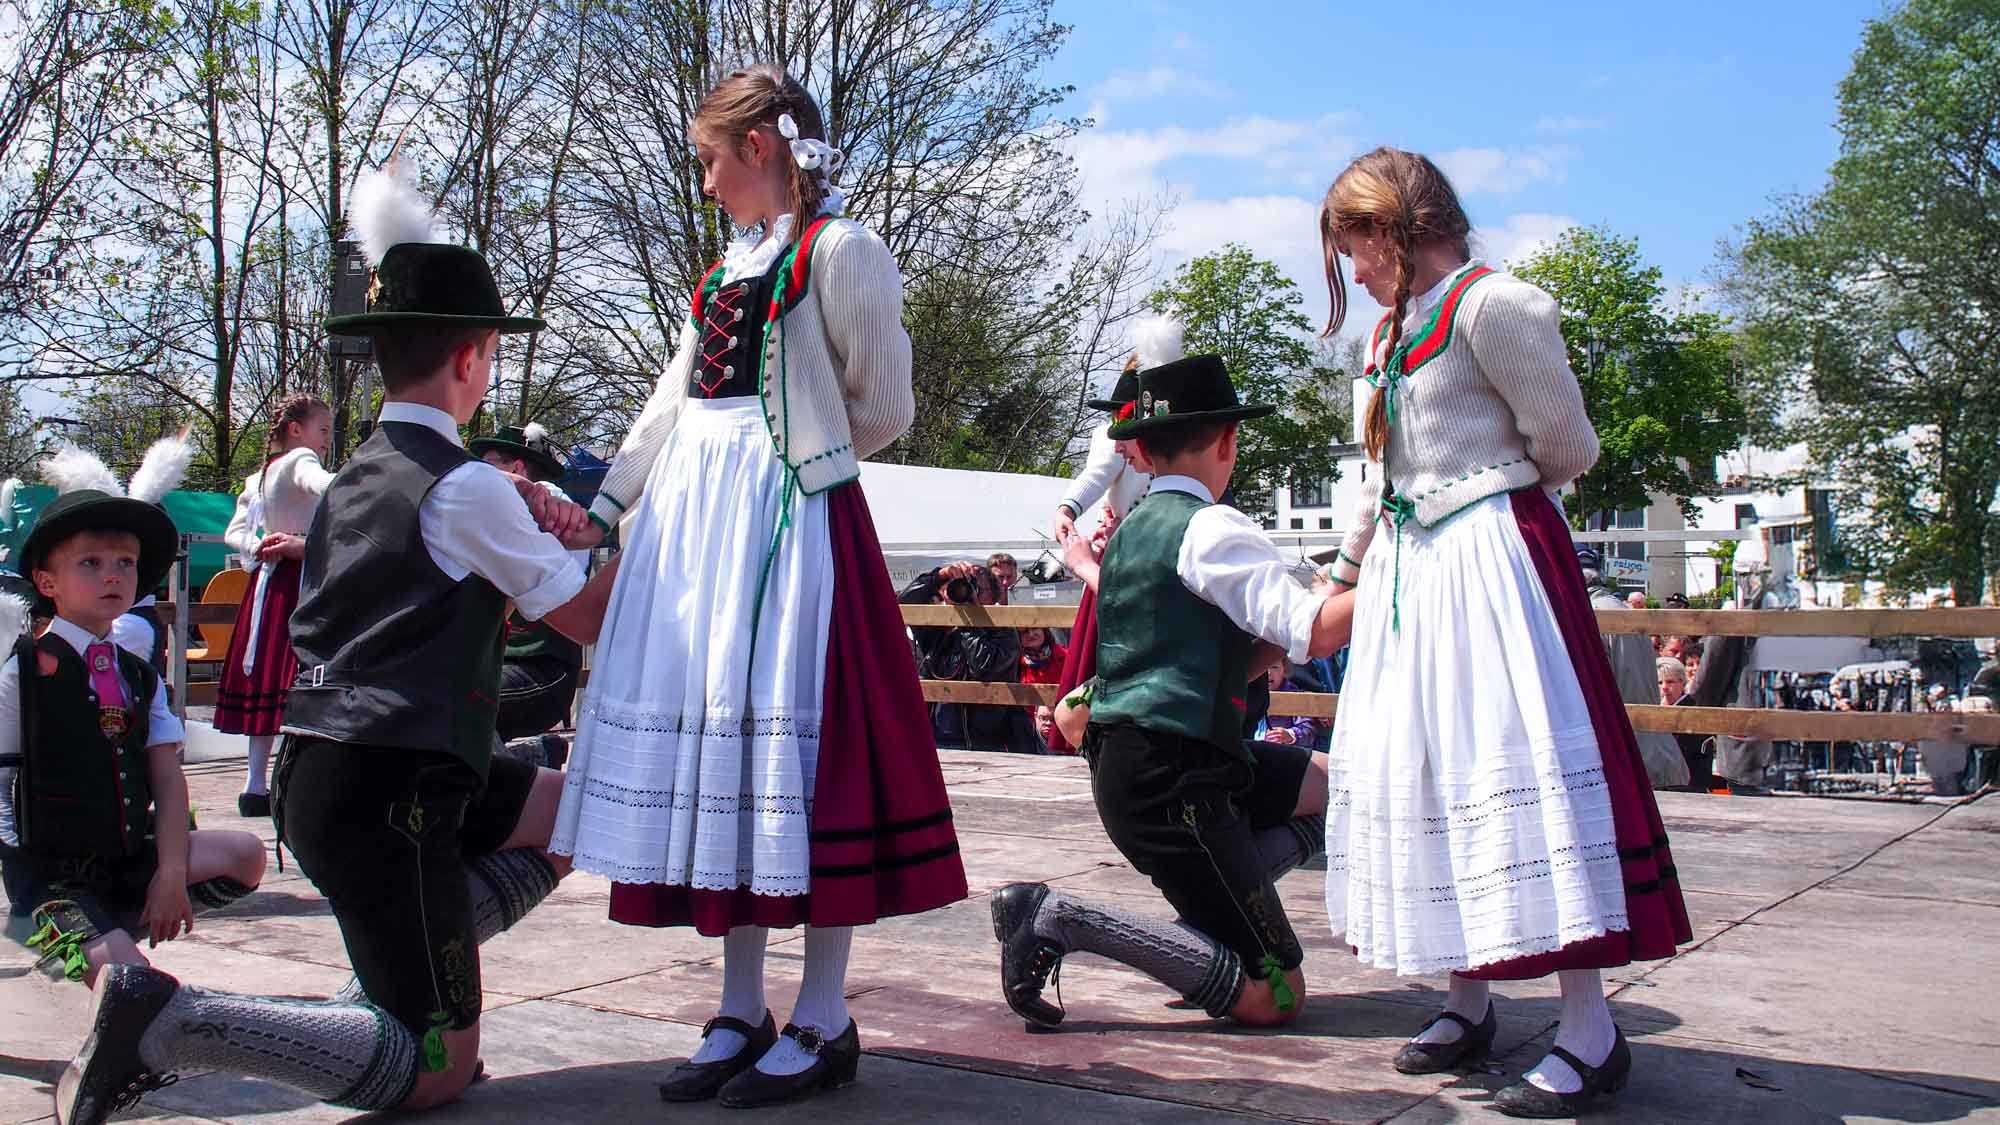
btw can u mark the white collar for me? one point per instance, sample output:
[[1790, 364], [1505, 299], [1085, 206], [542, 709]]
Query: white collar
[[1176, 483], [76, 635], [752, 253], [417, 414], [1436, 292]]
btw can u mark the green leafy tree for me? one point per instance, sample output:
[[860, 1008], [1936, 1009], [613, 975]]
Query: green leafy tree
[[1657, 380], [1246, 310], [1871, 308]]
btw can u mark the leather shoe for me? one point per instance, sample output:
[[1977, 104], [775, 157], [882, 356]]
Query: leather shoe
[[1027, 960], [698, 1082], [1525, 1099], [834, 1064], [106, 1075], [1468, 1050], [253, 804]]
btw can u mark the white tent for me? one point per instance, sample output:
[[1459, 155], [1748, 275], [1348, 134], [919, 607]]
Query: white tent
[[959, 511]]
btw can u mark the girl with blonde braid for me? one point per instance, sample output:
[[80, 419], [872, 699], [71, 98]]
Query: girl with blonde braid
[[1489, 813]]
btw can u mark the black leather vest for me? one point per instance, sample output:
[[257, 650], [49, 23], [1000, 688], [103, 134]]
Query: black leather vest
[[78, 792]]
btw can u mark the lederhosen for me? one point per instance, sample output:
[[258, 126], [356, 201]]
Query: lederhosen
[[1175, 784], [83, 794], [387, 782], [537, 678]]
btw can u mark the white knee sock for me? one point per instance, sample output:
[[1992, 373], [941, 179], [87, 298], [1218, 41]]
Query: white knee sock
[[258, 779], [1469, 998], [822, 1003], [742, 991], [1586, 1032]]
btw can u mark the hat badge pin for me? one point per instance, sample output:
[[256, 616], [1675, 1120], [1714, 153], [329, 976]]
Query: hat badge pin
[[1145, 402], [1162, 408]]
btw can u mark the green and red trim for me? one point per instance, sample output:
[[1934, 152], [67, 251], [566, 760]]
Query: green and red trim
[[1435, 336]]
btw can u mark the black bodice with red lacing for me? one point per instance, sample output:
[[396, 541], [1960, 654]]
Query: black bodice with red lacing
[[731, 336]]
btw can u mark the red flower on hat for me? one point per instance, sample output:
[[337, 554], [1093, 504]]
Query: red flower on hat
[[1125, 411]]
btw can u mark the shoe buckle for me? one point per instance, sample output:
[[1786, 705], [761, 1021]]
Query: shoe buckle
[[809, 1040]]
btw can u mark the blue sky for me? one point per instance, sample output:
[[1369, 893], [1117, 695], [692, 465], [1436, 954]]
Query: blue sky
[[1671, 123]]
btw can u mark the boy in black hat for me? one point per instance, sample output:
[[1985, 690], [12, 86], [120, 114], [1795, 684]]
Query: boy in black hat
[[538, 677], [93, 806], [387, 789], [1187, 589]]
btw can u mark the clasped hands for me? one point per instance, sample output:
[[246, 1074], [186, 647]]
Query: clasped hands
[[560, 516]]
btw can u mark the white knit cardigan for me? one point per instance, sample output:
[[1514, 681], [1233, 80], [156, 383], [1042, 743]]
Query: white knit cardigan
[[836, 383], [1496, 408]]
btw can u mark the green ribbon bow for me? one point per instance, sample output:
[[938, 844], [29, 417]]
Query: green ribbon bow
[[1398, 509]]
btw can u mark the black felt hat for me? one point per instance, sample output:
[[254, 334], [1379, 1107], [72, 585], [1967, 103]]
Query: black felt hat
[[1124, 391], [89, 509], [432, 283], [537, 450], [1185, 392]]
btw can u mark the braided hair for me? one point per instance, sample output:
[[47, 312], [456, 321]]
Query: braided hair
[[754, 98], [1403, 197], [293, 409]]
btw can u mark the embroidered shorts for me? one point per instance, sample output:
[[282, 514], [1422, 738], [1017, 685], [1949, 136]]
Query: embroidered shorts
[[384, 834], [1186, 813]]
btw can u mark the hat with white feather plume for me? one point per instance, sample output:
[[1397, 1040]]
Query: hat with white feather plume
[[90, 498], [531, 443], [1157, 341], [417, 281]]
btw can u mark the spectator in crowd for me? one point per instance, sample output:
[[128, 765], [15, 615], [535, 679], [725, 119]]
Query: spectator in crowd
[[1677, 601], [1636, 599], [1006, 571], [1673, 681], [1045, 724], [1635, 668], [981, 655]]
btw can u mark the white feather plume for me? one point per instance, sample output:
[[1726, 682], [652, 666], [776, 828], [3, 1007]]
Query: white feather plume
[[7, 489], [1158, 340], [165, 466], [534, 432], [71, 468], [13, 618], [388, 211]]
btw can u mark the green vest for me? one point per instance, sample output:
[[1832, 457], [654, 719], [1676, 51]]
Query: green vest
[[1170, 661], [78, 793]]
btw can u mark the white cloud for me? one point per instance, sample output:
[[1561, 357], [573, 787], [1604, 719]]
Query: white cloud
[[1570, 123], [1113, 161], [1519, 236], [1494, 170], [1158, 81]]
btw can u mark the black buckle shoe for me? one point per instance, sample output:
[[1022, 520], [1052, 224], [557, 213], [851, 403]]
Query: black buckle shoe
[[1525, 1099], [835, 1062], [1468, 1050], [698, 1082], [106, 1074], [1028, 961]]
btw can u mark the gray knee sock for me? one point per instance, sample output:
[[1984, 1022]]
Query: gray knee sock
[[1288, 845], [353, 1055], [504, 887], [1184, 959], [216, 893]]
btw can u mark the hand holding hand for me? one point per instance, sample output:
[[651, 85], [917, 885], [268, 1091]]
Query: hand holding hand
[[281, 545], [1283, 736], [1065, 526], [1079, 553]]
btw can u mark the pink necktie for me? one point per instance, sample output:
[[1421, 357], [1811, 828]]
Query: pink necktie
[[104, 677]]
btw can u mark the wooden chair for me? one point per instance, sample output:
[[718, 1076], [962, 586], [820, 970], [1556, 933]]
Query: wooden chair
[[228, 587]]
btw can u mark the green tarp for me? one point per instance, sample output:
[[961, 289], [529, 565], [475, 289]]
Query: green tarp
[[193, 513]]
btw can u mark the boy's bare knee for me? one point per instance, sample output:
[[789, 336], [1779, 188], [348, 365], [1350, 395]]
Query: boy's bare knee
[[435, 1088]]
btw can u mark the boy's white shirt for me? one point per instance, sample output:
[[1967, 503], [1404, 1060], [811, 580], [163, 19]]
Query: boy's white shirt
[[163, 727], [1228, 562]]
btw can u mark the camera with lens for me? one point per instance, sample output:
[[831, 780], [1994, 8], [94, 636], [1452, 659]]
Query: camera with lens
[[965, 591]]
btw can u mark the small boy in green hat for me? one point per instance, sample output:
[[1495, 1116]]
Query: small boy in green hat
[[1191, 594], [94, 829], [388, 792]]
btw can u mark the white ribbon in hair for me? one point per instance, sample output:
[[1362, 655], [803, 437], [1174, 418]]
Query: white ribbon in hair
[[817, 157]]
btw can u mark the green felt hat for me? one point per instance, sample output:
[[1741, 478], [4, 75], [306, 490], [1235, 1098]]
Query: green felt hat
[[1185, 392], [432, 283], [538, 450], [88, 509]]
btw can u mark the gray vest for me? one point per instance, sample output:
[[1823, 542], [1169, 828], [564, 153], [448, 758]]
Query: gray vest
[[392, 651]]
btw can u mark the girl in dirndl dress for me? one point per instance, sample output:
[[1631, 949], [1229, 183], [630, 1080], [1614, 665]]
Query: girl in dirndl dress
[[1489, 813], [268, 531], [754, 749]]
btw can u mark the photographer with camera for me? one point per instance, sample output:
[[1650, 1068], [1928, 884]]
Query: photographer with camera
[[979, 655]]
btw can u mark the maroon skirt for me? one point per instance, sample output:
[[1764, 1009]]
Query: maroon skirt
[[1081, 662], [1653, 905], [255, 703], [881, 840]]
